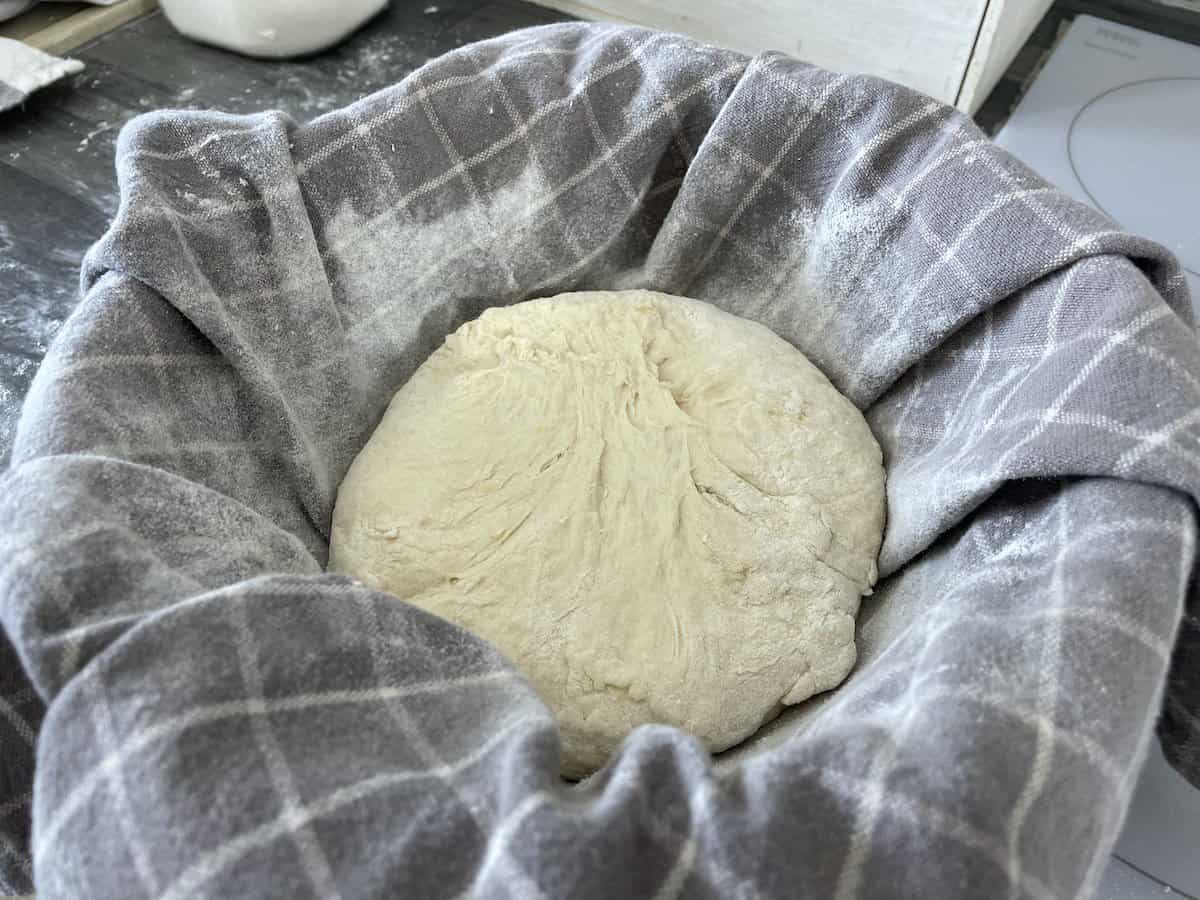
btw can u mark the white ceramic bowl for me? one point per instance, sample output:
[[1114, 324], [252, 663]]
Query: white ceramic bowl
[[270, 28]]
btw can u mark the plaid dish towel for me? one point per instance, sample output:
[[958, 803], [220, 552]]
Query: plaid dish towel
[[224, 719]]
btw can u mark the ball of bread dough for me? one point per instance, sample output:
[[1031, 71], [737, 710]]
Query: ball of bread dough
[[659, 512]]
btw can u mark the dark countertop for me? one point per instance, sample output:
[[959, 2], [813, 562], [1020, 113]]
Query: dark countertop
[[58, 187]]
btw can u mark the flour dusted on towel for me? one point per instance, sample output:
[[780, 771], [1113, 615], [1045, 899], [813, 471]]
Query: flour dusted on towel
[[659, 511]]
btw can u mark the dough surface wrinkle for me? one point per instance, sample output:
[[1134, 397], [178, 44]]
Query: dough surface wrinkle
[[658, 511]]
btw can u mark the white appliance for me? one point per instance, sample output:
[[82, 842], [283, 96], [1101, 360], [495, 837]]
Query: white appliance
[[953, 50], [1114, 119]]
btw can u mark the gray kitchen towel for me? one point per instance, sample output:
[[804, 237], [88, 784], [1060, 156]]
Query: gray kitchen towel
[[21, 713], [226, 720]]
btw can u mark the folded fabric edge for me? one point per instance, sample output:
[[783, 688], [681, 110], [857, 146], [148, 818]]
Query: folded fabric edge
[[24, 70]]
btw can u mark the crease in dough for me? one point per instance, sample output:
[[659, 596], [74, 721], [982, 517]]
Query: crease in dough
[[658, 511]]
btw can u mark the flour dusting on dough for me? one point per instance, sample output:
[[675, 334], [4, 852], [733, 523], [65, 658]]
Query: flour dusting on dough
[[658, 511]]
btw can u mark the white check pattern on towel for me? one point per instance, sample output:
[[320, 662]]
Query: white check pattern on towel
[[226, 720]]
